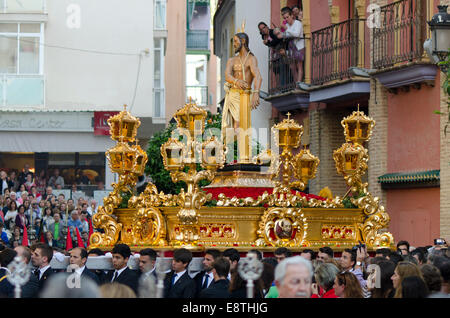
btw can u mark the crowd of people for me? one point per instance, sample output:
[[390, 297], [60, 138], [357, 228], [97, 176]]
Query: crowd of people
[[407, 272], [30, 212], [287, 46]]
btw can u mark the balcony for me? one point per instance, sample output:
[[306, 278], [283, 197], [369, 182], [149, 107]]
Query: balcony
[[197, 40], [199, 94], [401, 34], [23, 6], [398, 54], [22, 90], [335, 50]]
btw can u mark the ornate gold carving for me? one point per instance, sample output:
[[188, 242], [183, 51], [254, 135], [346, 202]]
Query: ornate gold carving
[[149, 227], [185, 235], [351, 161], [332, 231], [109, 225], [282, 227], [217, 230]]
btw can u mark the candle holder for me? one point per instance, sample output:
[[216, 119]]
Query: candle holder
[[178, 155], [303, 166]]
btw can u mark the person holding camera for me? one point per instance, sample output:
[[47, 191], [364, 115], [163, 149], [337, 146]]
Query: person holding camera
[[353, 261]]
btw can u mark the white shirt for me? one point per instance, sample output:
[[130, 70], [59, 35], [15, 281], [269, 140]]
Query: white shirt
[[80, 270], [178, 276], [5, 186], [150, 272], [295, 31], [210, 278], [42, 271], [118, 271]]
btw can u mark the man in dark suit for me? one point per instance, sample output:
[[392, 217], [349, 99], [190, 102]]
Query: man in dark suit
[[77, 260], [147, 260], [122, 274], [218, 288], [41, 257], [204, 278], [178, 283], [5, 182]]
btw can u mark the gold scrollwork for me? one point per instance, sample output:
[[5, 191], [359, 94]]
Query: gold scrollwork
[[282, 227], [112, 230], [149, 227], [377, 219]]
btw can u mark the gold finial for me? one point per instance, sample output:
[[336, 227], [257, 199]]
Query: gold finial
[[242, 29], [358, 107], [288, 115], [125, 107]]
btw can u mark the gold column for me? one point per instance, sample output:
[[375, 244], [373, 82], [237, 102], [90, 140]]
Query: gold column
[[245, 125], [334, 14], [361, 9], [307, 34]]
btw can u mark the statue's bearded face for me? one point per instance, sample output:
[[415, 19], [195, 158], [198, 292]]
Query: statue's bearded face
[[237, 44]]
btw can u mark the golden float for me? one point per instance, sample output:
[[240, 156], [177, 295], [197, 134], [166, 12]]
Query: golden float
[[282, 218]]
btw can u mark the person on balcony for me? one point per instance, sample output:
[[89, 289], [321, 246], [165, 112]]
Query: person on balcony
[[296, 45], [273, 38], [268, 36], [298, 13]]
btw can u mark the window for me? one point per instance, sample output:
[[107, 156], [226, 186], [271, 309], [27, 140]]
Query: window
[[22, 6], [21, 64], [196, 78], [20, 49], [160, 15], [158, 76]]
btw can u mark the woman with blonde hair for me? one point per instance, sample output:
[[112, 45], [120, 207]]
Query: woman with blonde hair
[[346, 285], [116, 290], [403, 270]]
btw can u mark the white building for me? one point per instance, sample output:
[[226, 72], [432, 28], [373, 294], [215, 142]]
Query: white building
[[65, 65]]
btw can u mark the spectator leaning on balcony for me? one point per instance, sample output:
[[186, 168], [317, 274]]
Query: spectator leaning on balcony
[[268, 36], [296, 45]]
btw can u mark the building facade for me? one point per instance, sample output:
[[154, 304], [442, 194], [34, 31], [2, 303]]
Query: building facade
[[65, 67]]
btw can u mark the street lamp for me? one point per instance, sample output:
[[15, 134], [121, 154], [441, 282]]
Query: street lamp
[[440, 36]]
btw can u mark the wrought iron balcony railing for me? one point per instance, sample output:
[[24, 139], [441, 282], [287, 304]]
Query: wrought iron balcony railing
[[335, 49], [197, 40], [401, 34], [281, 73]]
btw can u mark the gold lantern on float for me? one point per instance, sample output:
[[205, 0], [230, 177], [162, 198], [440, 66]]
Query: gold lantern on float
[[121, 158], [140, 161], [212, 154], [305, 166], [124, 126], [358, 127], [189, 115], [289, 133], [173, 152]]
